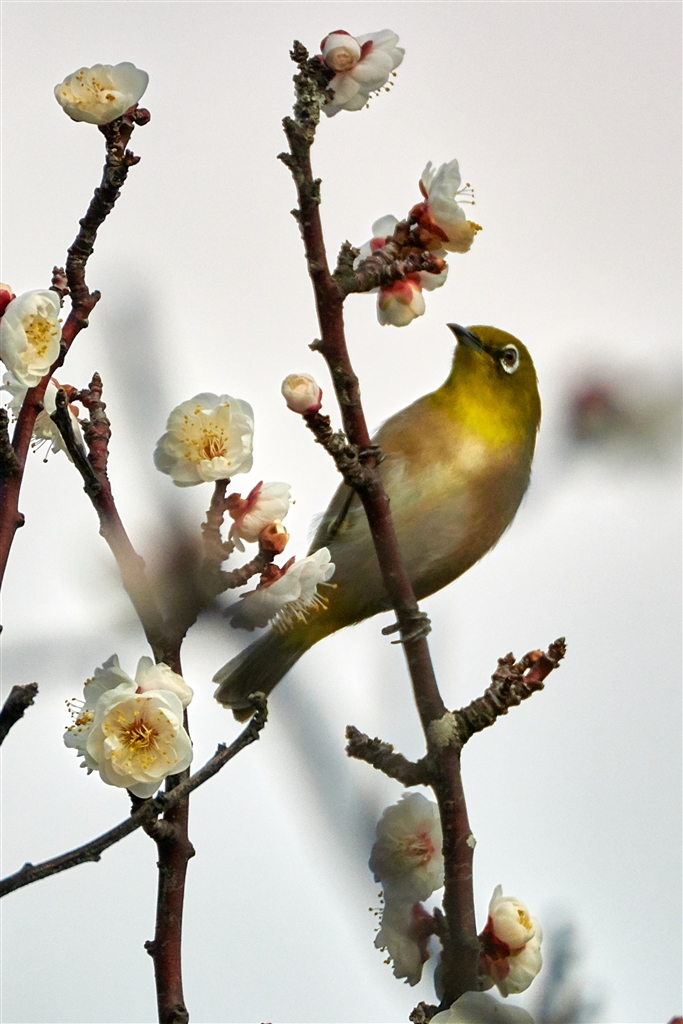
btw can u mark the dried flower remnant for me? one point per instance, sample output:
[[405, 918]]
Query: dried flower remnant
[[479, 1008], [511, 946], [406, 857], [30, 333], [363, 65], [209, 437], [302, 393], [131, 731], [264, 505], [101, 93], [442, 224], [44, 428], [285, 596]]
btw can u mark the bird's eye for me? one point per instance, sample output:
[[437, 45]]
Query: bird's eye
[[509, 358]]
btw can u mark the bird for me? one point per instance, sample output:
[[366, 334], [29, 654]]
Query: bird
[[456, 465]]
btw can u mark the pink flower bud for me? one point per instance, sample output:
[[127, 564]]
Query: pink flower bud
[[6, 296], [301, 393]]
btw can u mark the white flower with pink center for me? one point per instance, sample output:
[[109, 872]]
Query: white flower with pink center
[[404, 935], [30, 333], [286, 595], [363, 65], [265, 504], [101, 93], [407, 857], [443, 226], [511, 945], [401, 302], [209, 437]]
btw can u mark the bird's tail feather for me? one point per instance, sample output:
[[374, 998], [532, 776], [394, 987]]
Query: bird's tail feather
[[260, 666]]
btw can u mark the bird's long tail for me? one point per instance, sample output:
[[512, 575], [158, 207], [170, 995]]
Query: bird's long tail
[[259, 667]]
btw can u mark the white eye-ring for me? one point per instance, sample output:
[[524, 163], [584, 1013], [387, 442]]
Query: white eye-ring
[[509, 358]]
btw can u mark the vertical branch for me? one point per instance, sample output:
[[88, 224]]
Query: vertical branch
[[117, 163], [461, 946]]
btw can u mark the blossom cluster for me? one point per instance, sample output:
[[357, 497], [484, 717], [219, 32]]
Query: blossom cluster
[[511, 945], [438, 225], [131, 730], [407, 859]]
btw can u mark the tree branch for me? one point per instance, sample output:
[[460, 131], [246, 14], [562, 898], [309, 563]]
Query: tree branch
[[461, 946], [148, 811], [117, 163], [381, 756], [19, 699]]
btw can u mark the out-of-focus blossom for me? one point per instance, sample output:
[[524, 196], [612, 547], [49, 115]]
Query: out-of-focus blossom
[[131, 731], [407, 857], [101, 93], [511, 945], [289, 595], [6, 296], [302, 393], [209, 437], [265, 504], [363, 65], [441, 219], [44, 428], [401, 302], [29, 335], [404, 935], [479, 1008]]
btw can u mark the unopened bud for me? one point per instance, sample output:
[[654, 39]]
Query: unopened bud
[[274, 537], [340, 51], [6, 296], [301, 393]]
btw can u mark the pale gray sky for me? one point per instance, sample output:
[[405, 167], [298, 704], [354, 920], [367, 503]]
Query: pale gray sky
[[566, 119]]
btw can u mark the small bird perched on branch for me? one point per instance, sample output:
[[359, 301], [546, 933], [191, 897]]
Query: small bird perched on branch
[[457, 463]]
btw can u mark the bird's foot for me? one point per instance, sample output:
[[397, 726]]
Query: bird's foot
[[419, 627]]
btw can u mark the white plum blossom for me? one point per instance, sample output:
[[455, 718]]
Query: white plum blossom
[[44, 428], [443, 225], [265, 504], [131, 731], [290, 596], [209, 437], [511, 945], [302, 393], [101, 93], [29, 335], [404, 935], [363, 65], [479, 1008], [407, 857]]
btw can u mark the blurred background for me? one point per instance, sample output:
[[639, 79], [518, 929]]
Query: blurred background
[[566, 119]]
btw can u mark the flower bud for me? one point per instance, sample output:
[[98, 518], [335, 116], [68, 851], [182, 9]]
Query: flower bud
[[302, 394], [6, 296], [340, 51], [274, 537]]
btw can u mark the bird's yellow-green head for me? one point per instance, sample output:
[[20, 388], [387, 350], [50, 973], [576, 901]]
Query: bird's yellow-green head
[[492, 386]]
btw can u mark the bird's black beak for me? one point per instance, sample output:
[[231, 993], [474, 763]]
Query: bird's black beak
[[466, 337]]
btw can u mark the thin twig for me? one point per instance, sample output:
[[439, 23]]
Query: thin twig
[[382, 756], [147, 812], [117, 163], [19, 699], [461, 946]]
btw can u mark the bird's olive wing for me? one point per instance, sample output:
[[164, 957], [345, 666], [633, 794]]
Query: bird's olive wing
[[333, 517]]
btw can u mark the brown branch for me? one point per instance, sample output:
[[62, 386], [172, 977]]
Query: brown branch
[[381, 756], [117, 163], [9, 463], [19, 699], [386, 265], [461, 946], [512, 682], [147, 812]]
